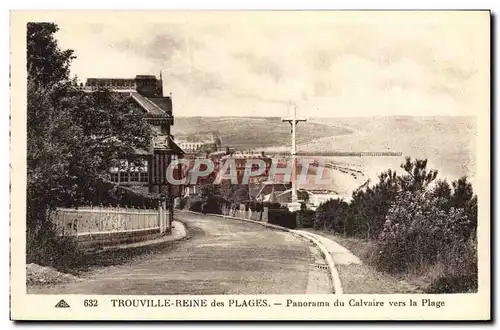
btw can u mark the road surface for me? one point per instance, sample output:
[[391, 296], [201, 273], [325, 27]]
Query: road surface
[[221, 256]]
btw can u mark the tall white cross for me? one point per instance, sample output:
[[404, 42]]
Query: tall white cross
[[294, 121]]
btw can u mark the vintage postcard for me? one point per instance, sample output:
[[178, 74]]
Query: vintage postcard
[[250, 165]]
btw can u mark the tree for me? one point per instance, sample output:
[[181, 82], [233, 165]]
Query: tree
[[73, 137], [235, 193], [207, 190], [463, 197], [417, 176], [441, 192], [459, 196], [369, 207], [46, 62]]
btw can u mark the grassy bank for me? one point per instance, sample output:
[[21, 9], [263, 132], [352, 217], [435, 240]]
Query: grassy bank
[[365, 249]]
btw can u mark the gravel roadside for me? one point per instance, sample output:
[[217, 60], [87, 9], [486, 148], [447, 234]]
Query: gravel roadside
[[39, 275]]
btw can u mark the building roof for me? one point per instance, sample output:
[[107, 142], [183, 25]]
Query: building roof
[[157, 106], [174, 147], [163, 102], [149, 106], [165, 142], [145, 76]]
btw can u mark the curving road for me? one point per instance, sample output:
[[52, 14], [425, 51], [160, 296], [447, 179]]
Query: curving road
[[221, 256]]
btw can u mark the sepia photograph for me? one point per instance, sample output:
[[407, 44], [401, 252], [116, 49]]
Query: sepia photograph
[[311, 155]]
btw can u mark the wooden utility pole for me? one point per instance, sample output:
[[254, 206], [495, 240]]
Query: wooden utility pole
[[293, 122]]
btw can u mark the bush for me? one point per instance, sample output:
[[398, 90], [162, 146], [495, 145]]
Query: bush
[[272, 206], [305, 218], [212, 205], [418, 226], [419, 237], [331, 215], [182, 204], [456, 269], [196, 206], [282, 217], [46, 248]]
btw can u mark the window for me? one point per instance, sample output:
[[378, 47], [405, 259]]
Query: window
[[124, 177], [114, 177], [144, 176], [134, 177]]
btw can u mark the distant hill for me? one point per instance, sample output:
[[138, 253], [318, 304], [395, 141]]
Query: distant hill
[[449, 143], [247, 133]]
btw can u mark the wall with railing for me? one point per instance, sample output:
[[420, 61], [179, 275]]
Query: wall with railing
[[111, 225]]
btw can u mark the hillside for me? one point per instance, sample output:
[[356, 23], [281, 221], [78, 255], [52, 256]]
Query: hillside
[[247, 133]]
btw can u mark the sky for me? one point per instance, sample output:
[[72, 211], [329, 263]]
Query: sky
[[262, 64]]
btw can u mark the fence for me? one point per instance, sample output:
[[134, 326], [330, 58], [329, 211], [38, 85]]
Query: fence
[[245, 212], [104, 220]]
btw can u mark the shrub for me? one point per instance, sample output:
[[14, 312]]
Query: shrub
[[305, 218], [213, 205], [46, 248], [417, 232], [456, 269], [282, 217], [195, 206], [182, 204], [331, 215], [272, 206]]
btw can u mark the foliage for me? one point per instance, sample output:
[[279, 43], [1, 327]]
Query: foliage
[[207, 190], [212, 205], [365, 215], [46, 63], [420, 225], [417, 177], [331, 215], [183, 203], [416, 230], [196, 206], [457, 269], [282, 217], [305, 218], [45, 247], [73, 137], [235, 193]]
